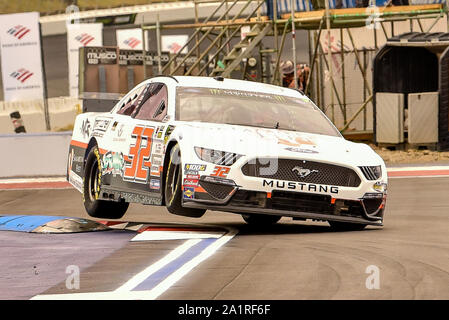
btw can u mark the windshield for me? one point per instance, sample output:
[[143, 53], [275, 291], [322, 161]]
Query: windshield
[[251, 109]]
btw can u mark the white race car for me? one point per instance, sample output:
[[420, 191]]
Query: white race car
[[197, 143]]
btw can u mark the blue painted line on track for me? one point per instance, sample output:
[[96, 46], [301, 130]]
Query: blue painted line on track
[[25, 223], [157, 277]]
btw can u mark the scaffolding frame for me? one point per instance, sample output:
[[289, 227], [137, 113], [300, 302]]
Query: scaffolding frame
[[219, 32]]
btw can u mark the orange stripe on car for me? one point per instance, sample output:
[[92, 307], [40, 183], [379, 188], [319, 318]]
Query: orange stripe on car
[[78, 144], [83, 145]]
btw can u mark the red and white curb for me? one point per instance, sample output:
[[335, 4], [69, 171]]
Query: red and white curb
[[34, 183], [418, 171]]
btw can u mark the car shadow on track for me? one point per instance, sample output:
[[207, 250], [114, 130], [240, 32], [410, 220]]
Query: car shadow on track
[[286, 228]]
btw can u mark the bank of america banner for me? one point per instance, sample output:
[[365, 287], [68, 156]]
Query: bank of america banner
[[174, 43], [21, 56], [130, 39], [80, 35]]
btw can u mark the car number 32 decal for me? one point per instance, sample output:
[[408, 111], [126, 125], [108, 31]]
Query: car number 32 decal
[[220, 171], [138, 160]]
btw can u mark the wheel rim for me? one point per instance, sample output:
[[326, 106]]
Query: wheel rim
[[173, 181], [93, 181]]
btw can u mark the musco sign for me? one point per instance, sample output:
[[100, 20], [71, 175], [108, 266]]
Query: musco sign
[[99, 70], [101, 55], [21, 56]]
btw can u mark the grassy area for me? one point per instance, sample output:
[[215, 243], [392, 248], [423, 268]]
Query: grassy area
[[58, 6]]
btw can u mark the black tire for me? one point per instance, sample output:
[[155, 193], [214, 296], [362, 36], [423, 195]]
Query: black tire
[[173, 187], [91, 186], [260, 219], [346, 226]]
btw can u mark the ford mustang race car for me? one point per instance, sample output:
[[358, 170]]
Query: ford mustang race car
[[196, 143]]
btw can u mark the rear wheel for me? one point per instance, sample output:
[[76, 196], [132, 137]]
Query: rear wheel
[[260, 219], [92, 180], [346, 226], [173, 187]]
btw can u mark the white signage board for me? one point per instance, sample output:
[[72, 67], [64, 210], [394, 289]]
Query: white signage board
[[130, 39], [174, 43], [21, 56], [80, 35]]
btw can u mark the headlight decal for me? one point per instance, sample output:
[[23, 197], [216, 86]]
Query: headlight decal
[[216, 156], [372, 172]]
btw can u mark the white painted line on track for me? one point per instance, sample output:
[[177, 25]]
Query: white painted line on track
[[141, 276], [111, 295], [178, 274], [124, 292], [175, 235]]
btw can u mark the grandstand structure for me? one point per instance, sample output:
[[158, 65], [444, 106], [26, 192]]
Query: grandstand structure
[[217, 41]]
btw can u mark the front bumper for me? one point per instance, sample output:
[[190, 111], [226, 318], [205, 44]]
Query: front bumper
[[213, 196], [325, 191]]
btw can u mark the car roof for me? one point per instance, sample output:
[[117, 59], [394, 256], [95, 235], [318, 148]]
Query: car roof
[[225, 83]]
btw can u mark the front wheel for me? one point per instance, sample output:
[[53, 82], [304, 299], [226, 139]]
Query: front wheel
[[92, 180], [346, 226], [260, 219], [173, 187]]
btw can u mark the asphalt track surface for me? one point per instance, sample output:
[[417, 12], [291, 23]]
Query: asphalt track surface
[[290, 260]]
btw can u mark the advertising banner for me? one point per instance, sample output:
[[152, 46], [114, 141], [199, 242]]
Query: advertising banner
[[21, 56], [129, 39], [80, 35], [174, 43]]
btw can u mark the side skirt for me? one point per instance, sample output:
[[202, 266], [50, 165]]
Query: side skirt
[[134, 197]]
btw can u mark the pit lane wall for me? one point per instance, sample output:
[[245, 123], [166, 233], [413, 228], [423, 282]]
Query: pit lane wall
[[63, 111], [37, 153], [34, 154]]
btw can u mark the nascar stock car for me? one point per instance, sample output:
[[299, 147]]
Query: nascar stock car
[[198, 143]]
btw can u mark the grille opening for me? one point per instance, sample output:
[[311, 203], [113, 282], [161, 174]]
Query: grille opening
[[216, 190], [302, 171], [304, 202], [354, 209], [371, 205], [249, 199], [314, 203]]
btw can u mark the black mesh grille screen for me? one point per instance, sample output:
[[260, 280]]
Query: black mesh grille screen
[[313, 203], [302, 171], [371, 205], [283, 200], [218, 191]]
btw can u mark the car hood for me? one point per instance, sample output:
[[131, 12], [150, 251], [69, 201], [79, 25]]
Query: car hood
[[265, 142]]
